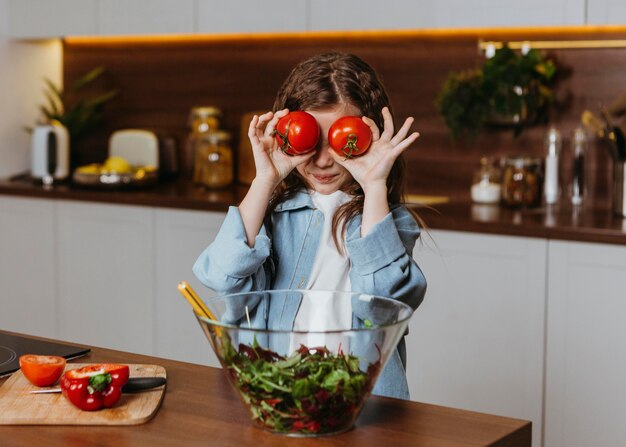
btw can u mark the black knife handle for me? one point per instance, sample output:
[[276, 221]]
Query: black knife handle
[[137, 384]]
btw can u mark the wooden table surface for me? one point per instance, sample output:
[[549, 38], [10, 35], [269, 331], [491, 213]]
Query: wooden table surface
[[201, 409]]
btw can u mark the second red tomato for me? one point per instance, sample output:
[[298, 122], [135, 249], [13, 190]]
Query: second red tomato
[[297, 133], [349, 136]]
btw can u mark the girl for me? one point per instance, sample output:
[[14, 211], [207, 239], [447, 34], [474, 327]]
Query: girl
[[320, 221]]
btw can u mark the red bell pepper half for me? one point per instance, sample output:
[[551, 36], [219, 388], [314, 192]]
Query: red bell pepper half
[[95, 386]]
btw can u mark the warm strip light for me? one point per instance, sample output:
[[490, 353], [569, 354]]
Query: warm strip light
[[555, 44], [437, 33]]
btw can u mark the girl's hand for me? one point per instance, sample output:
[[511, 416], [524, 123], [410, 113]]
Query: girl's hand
[[272, 165], [372, 168]]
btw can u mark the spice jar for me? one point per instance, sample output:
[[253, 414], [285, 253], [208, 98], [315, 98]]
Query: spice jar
[[522, 182], [486, 184], [213, 164], [202, 120]]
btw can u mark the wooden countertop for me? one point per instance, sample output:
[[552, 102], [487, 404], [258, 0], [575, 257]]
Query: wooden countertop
[[201, 409], [590, 224]]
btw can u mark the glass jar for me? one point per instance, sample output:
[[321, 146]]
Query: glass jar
[[213, 164], [204, 119], [201, 121], [486, 184], [522, 182]]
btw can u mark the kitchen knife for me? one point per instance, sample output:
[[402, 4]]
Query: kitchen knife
[[134, 385]]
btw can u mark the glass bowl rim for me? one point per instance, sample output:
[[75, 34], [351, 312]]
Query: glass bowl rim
[[291, 331]]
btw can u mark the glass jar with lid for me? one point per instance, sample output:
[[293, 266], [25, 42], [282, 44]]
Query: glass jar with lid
[[201, 121], [213, 164], [204, 119], [522, 182], [486, 183]]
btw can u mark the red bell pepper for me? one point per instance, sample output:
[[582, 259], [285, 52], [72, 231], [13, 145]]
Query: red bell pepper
[[95, 386]]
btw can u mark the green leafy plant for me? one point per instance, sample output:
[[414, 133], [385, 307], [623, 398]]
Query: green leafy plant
[[77, 111], [510, 88], [312, 391]]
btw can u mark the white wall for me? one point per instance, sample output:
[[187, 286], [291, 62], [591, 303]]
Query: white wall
[[23, 65]]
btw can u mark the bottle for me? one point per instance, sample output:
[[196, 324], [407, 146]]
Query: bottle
[[486, 183], [214, 160], [202, 120], [579, 149], [553, 151]]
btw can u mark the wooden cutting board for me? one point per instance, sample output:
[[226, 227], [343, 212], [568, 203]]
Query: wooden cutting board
[[19, 407]]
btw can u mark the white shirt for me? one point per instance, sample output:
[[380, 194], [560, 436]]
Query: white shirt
[[329, 272], [330, 268]]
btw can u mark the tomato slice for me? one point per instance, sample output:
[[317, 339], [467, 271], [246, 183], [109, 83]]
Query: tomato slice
[[42, 370]]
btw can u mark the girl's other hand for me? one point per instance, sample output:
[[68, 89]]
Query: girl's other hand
[[374, 166], [272, 164]]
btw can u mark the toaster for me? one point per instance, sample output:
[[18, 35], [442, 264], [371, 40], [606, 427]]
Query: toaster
[[139, 147]]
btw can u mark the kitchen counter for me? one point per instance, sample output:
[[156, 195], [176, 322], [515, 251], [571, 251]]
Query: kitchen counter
[[590, 224], [200, 408]]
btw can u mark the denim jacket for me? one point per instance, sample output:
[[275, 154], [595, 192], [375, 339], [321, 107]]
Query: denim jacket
[[283, 254]]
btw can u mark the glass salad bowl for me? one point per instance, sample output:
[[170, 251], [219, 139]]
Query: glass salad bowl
[[306, 372]]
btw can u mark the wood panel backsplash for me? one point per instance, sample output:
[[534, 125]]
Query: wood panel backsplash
[[161, 79]]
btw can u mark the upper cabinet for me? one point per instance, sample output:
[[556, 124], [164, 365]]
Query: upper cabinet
[[412, 14], [244, 16], [45, 18], [121, 17], [38, 19], [369, 14], [606, 12]]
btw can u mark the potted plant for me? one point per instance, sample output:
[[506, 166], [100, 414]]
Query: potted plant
[[78, 112], [511, 88]]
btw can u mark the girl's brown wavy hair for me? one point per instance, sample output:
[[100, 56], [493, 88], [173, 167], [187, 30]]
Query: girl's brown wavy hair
[[322, 82]]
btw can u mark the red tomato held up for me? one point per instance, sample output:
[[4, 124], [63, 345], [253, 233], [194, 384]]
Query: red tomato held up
[[297, 133], [42, 370], [349, 136]]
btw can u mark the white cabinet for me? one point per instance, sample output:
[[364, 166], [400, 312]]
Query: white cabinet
[[123, 17], [586, 345], [369, 14], [477, 340], [28, 267], [106, 275], [488, 13], [415, 14], [244, 16], [180, 238], [606, 12], [46, 18]]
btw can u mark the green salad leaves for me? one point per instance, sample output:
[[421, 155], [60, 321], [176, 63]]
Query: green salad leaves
[[313, 391]]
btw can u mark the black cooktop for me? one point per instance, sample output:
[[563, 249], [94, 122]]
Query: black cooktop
[[12, 346]]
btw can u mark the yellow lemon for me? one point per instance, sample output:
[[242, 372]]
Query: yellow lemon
[[117, 164], [93, 168]]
